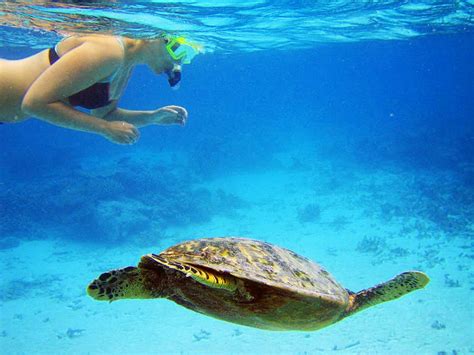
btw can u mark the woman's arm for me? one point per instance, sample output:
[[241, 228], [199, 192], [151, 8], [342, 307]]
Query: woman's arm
[[76, 70], [164, 116]]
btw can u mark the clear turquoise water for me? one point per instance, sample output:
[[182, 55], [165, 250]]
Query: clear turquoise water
[[342, 131]]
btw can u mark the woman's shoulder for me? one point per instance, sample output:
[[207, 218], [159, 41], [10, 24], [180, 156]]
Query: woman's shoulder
[[111, 45]]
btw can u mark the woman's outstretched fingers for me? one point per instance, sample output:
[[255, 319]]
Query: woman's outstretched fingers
[[180, 112], [172, 115]]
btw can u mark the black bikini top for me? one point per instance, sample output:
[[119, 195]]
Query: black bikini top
[[93, 97]]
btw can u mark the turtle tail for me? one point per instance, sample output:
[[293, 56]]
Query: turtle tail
[[400, 285], [118, 284]]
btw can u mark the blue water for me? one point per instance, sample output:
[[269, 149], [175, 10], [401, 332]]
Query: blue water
[[351, 146]]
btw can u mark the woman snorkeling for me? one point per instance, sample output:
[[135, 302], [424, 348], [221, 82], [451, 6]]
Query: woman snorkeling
[[91, 72]]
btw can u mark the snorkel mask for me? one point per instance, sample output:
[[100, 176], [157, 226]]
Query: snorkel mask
[[181, 51]]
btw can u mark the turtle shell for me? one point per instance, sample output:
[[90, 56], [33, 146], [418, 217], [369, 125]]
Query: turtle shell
[[260, 262]]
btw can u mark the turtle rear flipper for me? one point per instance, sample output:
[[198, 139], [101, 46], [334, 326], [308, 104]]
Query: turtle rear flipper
[[397, 287]]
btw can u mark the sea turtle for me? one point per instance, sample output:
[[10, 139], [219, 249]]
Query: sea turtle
[[248, 282]]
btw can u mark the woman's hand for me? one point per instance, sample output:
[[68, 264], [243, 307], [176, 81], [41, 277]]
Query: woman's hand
[[121, 132], [171, 115]]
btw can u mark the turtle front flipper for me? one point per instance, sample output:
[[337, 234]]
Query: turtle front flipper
[[399, 286], [118, 284], [207, 277]]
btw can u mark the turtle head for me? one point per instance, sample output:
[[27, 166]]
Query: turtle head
[[129, 282]]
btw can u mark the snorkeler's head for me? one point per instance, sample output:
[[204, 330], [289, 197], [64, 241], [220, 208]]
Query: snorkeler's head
[[181, 52]]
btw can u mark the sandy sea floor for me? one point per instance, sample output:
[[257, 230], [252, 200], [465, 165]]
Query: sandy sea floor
[[44, 308]]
